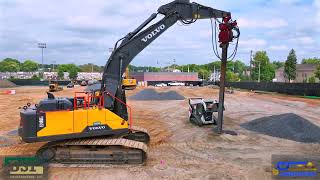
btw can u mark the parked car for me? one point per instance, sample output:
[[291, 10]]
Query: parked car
[[161, 85], [92, 82], [70, 85], [176, 84], [83, 83]]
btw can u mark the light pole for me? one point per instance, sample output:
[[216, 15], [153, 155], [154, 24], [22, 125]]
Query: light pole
[[42, 46]]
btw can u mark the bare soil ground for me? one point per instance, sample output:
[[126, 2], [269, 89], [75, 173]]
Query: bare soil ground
[[178, 149]]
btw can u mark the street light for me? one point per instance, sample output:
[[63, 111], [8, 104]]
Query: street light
[[42, 46]]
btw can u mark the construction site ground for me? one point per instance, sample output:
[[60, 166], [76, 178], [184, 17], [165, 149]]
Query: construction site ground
[[179, 149]]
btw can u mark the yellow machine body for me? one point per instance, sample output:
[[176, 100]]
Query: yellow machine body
[[78, 121], [54, 86], [128, 83]]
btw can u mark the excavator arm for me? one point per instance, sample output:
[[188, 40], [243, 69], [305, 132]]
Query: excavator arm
[[134, 42]]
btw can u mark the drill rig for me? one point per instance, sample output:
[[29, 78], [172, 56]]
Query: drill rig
[[96, 126]]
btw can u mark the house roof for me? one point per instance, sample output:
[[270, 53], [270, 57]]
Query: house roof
[[303, 67]]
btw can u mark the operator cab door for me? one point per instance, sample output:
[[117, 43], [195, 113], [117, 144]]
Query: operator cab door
[[96, 116], [80, 120], [86, 114], [85, 118]]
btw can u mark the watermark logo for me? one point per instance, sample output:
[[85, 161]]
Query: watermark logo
[[17, 167], [286, 166]]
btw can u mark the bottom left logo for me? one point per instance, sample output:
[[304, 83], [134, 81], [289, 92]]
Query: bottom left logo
[[18, 167]]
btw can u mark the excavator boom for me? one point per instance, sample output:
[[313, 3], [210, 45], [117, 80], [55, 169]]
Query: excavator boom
[[134, 42]]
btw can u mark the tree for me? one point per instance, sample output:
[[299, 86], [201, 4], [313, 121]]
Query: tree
[[90, 67], [317, 72], [239, 67], [29, 66], [73, 73], [60, 74], [72, 69], [203, 74], [35, 77], [144, 69], [278, 64], [267, 70], [312, 79], [232, 77], [290, 66], [311, 61], [9, 65], [12, 60]]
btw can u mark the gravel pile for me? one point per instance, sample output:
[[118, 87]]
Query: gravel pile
[[288, 126], [150, 94]]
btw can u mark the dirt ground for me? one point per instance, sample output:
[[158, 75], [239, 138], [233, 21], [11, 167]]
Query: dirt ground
[[178, 149]]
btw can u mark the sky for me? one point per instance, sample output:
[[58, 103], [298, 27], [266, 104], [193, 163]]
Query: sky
[[82, 31]]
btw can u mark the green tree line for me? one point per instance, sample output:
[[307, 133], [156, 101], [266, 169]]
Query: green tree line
[[262, 68], [13, 65]]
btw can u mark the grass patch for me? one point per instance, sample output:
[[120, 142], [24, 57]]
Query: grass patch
[[311, 97]]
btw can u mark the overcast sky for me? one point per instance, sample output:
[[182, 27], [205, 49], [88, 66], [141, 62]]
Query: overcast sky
[[82, 31]]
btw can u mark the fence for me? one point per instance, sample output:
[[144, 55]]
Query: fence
[[307, 89], [31, 82]]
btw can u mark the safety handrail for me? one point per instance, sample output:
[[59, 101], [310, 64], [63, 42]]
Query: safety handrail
[[130, 117], [86, 103]]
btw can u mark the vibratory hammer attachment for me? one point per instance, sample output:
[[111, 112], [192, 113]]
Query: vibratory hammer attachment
[[226, 30]]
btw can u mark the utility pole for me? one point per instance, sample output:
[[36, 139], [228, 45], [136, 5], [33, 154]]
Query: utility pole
[[214, 73], [174, 62]]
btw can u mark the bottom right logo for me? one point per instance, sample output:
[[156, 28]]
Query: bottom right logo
[[297, 167]]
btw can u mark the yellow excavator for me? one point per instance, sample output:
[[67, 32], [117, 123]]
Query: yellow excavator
[[128, 83], [96, 126]]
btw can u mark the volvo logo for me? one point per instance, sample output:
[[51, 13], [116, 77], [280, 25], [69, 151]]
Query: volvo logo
[[41, 121], [94, 128], [153, 33]]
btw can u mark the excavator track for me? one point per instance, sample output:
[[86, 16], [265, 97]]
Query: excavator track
[[97, 151], [138, 134], [128, 149]]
